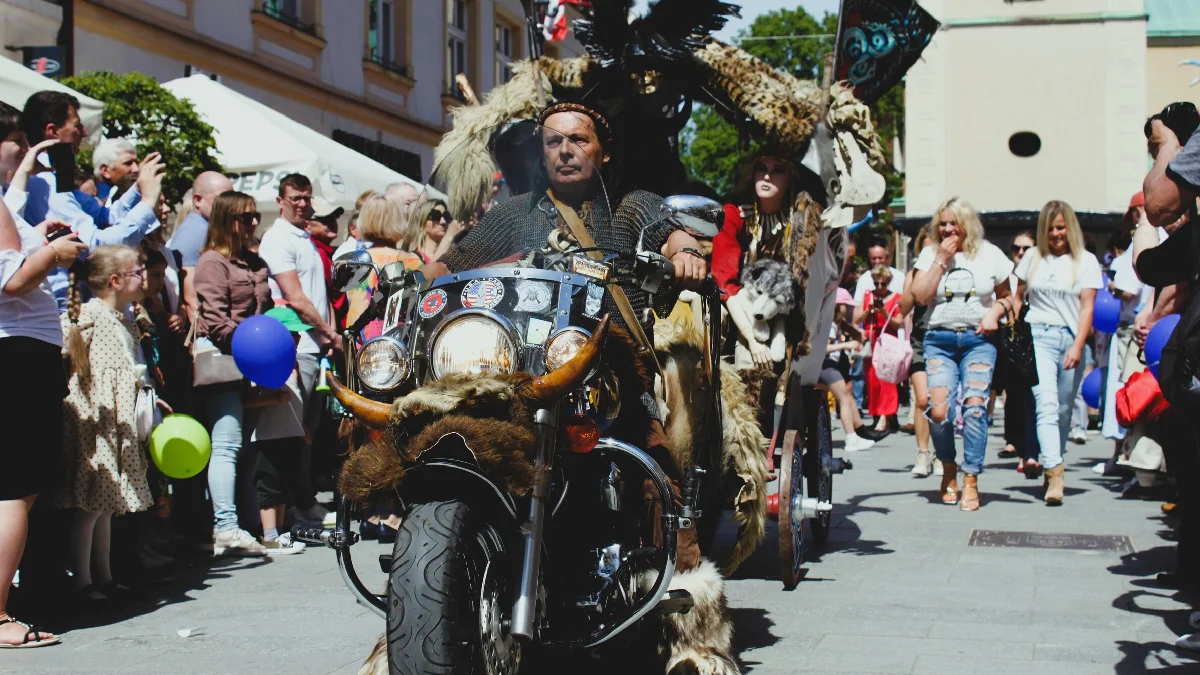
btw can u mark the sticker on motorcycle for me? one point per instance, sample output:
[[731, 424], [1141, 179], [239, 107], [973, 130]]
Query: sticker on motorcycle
[[432, 304], [594, 301], [391, 315], [537, 331], [534, 296], [485, 293]]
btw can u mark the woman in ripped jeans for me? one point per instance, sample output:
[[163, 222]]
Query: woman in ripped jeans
[[960, 277]]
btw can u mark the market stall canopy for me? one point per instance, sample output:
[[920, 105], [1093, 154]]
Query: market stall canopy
[[258, 146], [18, 83]]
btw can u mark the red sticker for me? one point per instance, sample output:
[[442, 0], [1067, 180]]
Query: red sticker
[[433, 303]]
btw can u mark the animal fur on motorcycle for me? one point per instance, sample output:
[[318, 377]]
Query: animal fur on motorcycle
[[806, 232], [745, 455], [701, 641]]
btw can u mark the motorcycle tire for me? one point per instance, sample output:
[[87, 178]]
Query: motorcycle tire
[[818, 466], [442, 554]]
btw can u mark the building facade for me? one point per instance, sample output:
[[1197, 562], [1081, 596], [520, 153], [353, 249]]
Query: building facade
[[377, 75]]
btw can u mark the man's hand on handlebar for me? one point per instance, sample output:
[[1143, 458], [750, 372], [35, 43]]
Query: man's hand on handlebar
[[691, 269]]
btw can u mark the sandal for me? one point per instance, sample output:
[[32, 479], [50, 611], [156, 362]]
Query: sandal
[[970, 493], [1032, 469], [37, 637], [1008, 452], [949, 483]]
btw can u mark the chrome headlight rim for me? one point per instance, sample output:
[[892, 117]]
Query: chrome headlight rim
[[506, 325], [402, 357], [585, 333]]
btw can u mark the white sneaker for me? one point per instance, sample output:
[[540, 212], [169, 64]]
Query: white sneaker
[[938, 470], [854, 443], [1189, 642], [237, 542], [924, 465], [284, 545], [1077, 435]]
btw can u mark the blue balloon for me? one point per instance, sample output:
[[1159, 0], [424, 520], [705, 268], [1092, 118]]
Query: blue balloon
[[1107, 313], [264, 351], [1157, 339], [1091, 388]]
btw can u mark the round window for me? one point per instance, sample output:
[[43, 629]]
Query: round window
[[1024, 144]]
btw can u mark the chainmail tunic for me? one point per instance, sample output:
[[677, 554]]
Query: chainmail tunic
[[523, 224]]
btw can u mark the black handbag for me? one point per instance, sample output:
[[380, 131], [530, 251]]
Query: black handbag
[[1016, 346]]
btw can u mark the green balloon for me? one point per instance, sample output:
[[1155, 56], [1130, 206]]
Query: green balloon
[[180, 446]]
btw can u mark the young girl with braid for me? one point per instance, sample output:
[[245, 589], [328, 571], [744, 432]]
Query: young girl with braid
[[105, 462]]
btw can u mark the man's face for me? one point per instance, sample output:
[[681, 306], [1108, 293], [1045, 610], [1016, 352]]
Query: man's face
[[203, 201], [877, 255], [322, 230], [405, 195], [295, 205], [572, 153], [71, 132], [126, 164], [12, 151]]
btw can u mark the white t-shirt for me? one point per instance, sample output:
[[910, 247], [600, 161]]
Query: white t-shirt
[[866, 284], [287, 248], [1053, 292], [35, 314], [967, 290]]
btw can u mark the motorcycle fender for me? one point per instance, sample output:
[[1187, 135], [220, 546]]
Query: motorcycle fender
[[449, 464]]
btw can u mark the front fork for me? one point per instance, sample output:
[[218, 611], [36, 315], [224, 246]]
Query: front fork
[[525, 608]]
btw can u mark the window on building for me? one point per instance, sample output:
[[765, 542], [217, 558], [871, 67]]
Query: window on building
[[401, 161], [294, 13], [504, 53], [457, 32], [380, 31]]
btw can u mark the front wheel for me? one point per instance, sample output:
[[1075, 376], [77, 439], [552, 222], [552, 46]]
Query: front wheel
[[449, 595]]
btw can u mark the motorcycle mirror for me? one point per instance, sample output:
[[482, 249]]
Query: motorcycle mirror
[[351, 270], [698, 216], [393, 272]]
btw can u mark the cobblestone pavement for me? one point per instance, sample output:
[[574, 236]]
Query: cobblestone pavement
[[898, 589]]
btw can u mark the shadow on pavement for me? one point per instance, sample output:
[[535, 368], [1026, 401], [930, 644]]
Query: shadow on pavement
[[1139, 658], [751, 630]]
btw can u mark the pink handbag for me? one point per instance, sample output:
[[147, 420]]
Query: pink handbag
[[892, 357]]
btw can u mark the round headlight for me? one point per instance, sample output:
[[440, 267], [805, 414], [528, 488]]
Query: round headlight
[[382, 364], [563, 346], [473, 344]]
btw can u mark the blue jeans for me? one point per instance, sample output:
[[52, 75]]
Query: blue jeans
[[953, 358], [1054, 395], [224, 415], [858, 382]]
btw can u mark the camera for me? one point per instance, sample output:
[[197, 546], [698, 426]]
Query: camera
[[1181, 117]]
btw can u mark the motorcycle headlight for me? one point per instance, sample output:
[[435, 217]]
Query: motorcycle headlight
[[563, 346], [473, 344], [383, 364]]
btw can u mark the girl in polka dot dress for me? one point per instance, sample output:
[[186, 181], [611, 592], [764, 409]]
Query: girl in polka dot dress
[[105, 460]]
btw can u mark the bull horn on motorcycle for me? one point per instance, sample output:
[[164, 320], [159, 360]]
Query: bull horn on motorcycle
[[371, 413], [554, 385]]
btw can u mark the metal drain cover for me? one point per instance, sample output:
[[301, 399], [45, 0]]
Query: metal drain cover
[[1070, 542]]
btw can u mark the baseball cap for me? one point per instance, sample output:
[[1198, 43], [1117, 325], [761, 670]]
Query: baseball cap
[[322, 209], [1138, 200], [289, 318], [844, 297]]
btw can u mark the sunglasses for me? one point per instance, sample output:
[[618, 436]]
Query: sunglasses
[[248, 218], [443, 216], [1019, 249]]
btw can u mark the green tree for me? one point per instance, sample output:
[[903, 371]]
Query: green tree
[[138, 108], [713, 149]]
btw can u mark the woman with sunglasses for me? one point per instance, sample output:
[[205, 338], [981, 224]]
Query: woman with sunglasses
[[231, 286], [439, 230], [1059, 279], [1020, 437], [878, 306], [960, 277]]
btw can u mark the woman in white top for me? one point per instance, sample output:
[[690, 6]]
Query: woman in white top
[[960, 277], [1059, 280], [30, 344]]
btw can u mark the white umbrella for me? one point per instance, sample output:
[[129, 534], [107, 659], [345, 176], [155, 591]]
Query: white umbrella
[[18, 83], [260, 146]]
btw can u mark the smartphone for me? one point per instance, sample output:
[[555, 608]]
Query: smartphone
[[62, 160], [59, 234]]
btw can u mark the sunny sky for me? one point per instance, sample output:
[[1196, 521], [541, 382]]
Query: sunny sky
[[752, 8]]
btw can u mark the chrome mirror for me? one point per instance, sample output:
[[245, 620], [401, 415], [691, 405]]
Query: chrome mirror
[[352, 269], [698, 216]]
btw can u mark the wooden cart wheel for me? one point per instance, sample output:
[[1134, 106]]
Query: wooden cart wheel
[[818, 465], [791, 515]]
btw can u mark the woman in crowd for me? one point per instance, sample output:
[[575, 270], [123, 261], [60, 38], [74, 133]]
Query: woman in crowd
[[878, 305], [960, 277], [231, 286], [439, 229], [1020, 436], [30, 348], [106, 463], [393, 238], [917, 377], [1059, 280], [836, 368]]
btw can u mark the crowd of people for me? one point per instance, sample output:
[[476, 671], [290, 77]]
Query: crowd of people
[[107, 324]]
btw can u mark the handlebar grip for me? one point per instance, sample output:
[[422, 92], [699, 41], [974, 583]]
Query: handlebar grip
[[668, 269]]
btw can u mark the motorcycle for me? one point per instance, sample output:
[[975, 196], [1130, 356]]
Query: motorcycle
[[493, 404]]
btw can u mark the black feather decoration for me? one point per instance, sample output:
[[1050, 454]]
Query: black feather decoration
[[667, 35]]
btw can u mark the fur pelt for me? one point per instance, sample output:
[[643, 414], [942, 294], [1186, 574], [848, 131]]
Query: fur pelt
[[805, 233], [377, 662], [373, 465], [745, 455], [701, 641], [503, 450]]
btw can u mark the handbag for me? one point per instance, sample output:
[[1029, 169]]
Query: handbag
[[1016, 342], [1140, 401], [892, 357], [146, 412], [209, 364]]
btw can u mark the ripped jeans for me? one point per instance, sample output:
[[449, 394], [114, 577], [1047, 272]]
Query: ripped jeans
[[951, 358]]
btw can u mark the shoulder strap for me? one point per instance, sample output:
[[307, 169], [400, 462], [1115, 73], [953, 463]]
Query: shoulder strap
[[579, 231]]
